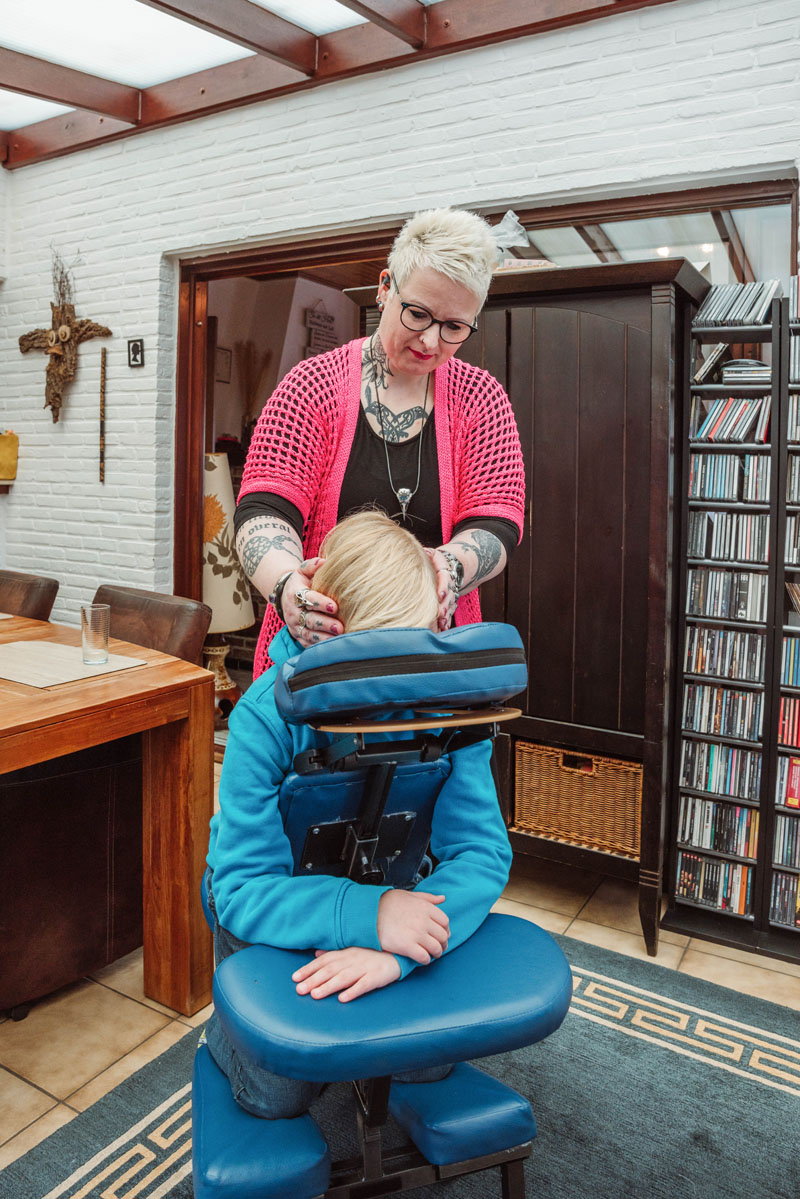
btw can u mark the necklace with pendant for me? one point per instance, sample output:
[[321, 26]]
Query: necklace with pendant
[[404, 495]]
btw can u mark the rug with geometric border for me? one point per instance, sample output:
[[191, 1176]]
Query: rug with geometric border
[[657, 1086]]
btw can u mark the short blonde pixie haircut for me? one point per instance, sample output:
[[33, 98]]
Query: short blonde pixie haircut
[[378, 574], [457, 244]]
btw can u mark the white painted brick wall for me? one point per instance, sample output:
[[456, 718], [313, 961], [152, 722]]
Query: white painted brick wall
[[689, 93]]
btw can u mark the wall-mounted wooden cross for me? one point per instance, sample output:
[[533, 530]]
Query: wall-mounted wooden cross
[[60, 342]]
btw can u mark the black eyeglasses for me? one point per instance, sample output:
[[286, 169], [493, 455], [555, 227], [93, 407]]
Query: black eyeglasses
[[417, 318]]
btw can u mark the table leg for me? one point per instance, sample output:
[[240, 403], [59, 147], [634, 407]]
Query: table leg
[[177, 804]]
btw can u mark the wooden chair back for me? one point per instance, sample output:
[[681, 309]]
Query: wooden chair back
[[167, 623], [27, 595]]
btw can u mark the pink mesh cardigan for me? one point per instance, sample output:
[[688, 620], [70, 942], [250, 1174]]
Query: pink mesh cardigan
[[301, 445]]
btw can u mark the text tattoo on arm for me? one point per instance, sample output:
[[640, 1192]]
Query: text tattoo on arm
[[487, 549]]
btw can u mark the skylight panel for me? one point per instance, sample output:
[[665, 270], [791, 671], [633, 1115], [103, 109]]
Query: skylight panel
[[316, 16], [17, 110], [123, 40]]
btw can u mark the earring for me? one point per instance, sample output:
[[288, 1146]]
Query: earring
[[379, 304]]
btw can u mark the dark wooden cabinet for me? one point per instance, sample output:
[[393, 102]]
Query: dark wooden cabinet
[[593, 361]]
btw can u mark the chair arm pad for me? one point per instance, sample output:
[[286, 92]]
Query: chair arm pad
[[509, 985]]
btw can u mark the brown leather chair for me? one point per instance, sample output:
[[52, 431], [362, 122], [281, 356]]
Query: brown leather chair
[[167, 623], [72, 878], [27, 595]]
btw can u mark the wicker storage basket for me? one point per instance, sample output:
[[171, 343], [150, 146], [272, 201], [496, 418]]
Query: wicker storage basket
[[589, 801]]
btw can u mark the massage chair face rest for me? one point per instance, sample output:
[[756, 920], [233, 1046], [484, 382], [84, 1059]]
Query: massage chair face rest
[[380, 671]]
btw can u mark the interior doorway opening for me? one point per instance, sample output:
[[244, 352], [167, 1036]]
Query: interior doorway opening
[[245, 321]]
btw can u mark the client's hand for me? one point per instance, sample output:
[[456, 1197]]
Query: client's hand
[[411, 924], [352, 972], [310, 616]]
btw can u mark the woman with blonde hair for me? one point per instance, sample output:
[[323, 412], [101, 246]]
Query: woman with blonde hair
[[359, 937], [394, 420]]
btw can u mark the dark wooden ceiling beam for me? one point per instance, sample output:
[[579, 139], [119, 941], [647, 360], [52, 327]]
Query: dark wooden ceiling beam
[[599, 243], [247, 25], [452, 25], [404, 19], [734, 246], [63, 85]]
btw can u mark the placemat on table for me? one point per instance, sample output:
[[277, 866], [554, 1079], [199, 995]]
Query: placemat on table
[[47, 664]]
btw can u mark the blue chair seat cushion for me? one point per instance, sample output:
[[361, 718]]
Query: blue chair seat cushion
[[509, 985], [379, 671], [239, 1156], [468, 1114]]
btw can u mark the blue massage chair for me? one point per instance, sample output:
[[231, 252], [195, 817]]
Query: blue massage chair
[[361, 807]]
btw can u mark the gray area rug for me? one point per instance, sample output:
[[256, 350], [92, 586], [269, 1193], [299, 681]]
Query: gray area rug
[[657, 1086]]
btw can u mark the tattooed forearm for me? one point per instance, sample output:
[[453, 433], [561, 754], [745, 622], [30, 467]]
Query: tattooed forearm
[[255, 549], [487, 549]]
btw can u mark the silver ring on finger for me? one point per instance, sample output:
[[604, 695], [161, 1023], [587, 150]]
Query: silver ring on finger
[[301, 599], [301, 622]]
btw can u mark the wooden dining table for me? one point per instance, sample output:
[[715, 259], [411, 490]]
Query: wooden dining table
[[171, 703]]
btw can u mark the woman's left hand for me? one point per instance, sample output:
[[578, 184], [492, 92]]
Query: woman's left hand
[[445, 589], [309, 615]]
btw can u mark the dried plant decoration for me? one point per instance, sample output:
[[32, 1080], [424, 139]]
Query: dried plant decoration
[[251, 368], [60, 342]]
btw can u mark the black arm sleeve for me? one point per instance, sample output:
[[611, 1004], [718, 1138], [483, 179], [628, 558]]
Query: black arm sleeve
[[505, 531], [264, 503]]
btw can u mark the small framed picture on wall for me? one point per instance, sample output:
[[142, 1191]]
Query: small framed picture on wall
[[222, 366]]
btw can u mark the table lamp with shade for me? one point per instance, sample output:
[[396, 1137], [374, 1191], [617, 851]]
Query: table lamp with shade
[[226, 589]]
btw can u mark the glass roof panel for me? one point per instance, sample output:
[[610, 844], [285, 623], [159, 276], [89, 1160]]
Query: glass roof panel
[[125, 41], [17, 110], [563, 247], [690, 235], [767, 235], [317, 16]]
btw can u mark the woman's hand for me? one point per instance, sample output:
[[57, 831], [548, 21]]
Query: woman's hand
[[309, 616], [351, 972], [445, 588]]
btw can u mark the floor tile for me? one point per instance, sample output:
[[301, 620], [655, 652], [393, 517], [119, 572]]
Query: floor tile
[[550, 885], [749, 959], [615, 904], [741, 976], [20, 1105], [34, 1134], [631, 944], [74, 1034], [554, 922], [126, 976], [198, 1018], [116, 1073]]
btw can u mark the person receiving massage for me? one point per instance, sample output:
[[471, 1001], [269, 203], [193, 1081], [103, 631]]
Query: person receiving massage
[[358, 937], [393, 420]]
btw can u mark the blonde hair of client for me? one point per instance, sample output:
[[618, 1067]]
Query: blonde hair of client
[[378, 574]]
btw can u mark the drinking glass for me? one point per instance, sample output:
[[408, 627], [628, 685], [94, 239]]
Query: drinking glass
[[94, 633]]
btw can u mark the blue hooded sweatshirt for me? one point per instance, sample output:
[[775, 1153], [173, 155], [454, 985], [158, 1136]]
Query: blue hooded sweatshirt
[[260, 900]]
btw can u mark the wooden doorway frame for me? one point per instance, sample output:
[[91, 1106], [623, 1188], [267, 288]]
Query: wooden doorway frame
[[196, 273]]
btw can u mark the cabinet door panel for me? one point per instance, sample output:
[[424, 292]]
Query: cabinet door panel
[[579, 381]]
